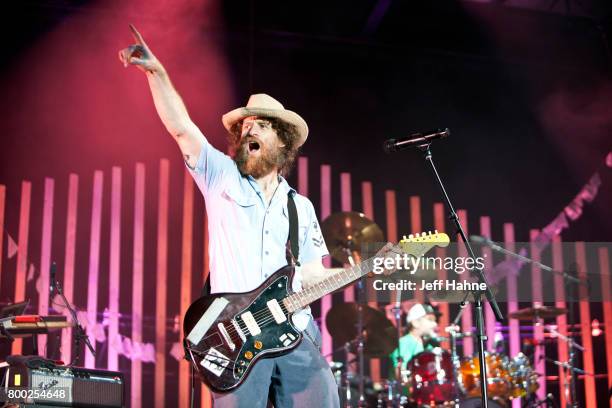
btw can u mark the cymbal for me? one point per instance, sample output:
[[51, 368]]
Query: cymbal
[[537, 312], [349, 230], [341, 322]]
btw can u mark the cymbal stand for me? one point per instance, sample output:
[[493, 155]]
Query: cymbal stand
[[360, 339], [570, 389], [346, 379], [570, 370]]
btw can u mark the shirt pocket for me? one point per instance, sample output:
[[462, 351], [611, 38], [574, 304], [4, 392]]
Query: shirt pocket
[[235, 196], [237, 212]]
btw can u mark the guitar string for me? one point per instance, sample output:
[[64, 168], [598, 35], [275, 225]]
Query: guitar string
[[268, 318], [357, 270], [262, 323], [266, 314], [329, 285]]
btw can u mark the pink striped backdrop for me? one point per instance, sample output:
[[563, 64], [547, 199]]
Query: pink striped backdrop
[[112, 208]]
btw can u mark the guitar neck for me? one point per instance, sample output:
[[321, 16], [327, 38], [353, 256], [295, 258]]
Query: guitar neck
[[415, 246], [328, 285]]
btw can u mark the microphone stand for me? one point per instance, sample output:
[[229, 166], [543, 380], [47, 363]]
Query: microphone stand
[[398, 371], [79, 335], [478, 272]]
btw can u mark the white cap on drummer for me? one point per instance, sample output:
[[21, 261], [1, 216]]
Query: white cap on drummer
[[416, 312]]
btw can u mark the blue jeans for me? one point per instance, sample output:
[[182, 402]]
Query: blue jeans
[[301, 378]]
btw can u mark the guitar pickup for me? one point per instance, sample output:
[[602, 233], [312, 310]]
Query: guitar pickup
[[226, 337], [251, 324], [276, 311]]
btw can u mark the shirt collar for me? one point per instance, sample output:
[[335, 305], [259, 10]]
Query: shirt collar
[[283, 186]]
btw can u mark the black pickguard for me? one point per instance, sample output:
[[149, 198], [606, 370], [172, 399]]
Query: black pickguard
[[275, 338]]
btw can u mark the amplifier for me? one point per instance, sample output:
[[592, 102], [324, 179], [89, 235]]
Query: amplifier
[[62, 386]]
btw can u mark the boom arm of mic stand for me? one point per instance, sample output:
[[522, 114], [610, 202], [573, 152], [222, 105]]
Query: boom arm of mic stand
[[496, 247]]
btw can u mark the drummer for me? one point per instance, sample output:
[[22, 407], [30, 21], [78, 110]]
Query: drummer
[[422, 325]]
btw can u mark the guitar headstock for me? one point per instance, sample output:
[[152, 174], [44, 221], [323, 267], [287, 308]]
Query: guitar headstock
[[418, 244]]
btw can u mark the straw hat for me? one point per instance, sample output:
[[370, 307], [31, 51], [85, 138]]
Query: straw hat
[[265, 105]]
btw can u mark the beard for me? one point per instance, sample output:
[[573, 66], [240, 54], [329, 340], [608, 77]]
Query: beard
[[268, 160]]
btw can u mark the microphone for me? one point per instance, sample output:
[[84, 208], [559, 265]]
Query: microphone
[[52, 277], [415, 139]]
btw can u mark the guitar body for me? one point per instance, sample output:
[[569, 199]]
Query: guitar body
[[225, 334]]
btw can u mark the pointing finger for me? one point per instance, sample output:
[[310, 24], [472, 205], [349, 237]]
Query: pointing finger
[[137, 36]]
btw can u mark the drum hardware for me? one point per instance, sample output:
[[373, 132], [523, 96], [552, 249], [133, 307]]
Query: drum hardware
[[374, 341], [345, 234], [555, 334], [571, 371], [396, 390], [571, 282], [537, 313], [568, 366], [476, 402]]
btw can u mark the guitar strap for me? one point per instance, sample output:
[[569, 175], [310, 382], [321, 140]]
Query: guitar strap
[[292, 248]]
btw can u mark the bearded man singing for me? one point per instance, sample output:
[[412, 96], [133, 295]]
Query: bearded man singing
[[246, 201]]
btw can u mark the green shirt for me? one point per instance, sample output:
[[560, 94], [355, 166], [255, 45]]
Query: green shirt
[[409, 346]]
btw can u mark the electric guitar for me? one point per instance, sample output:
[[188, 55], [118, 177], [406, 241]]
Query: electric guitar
[[225, 334]]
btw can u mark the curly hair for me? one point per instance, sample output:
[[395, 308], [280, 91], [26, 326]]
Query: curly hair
[[287, 134]]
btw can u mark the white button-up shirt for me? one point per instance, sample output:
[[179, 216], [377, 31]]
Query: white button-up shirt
[[247, 237]]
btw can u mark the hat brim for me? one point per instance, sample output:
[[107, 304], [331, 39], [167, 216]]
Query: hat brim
[[232, 117]]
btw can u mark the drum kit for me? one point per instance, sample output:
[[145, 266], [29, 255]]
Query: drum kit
[[433, 378]]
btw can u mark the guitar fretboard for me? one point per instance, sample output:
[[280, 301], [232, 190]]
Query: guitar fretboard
[[334, 282]]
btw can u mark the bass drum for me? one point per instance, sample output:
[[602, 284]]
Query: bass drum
[[477, 403], [431, 378]]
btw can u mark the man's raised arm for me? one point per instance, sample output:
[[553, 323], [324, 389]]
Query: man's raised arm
[[169, 105]]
